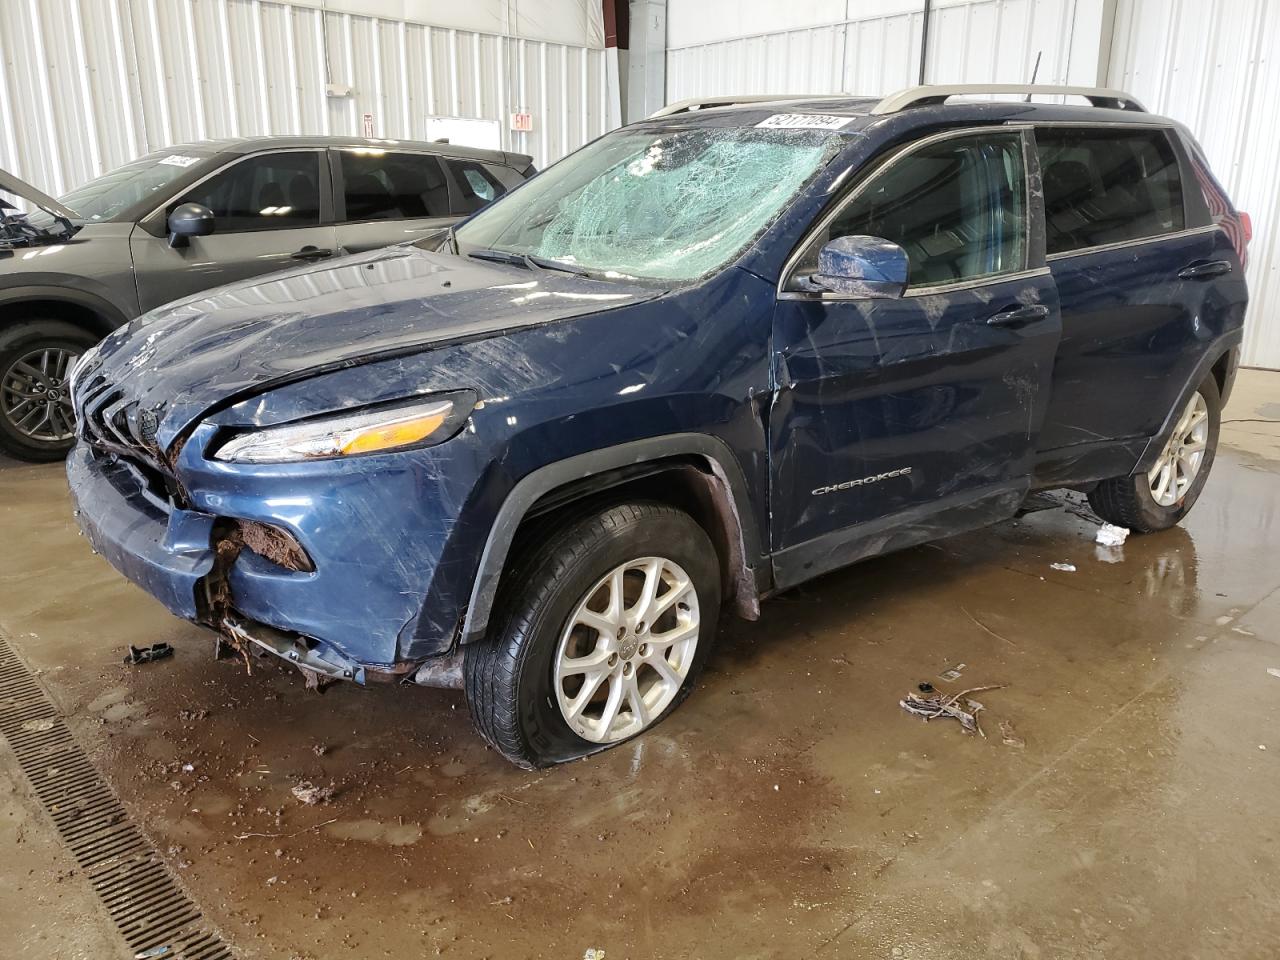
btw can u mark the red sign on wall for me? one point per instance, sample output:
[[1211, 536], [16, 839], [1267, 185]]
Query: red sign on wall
[[522, 122]]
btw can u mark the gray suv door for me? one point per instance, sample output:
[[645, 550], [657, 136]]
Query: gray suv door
[[386, 198], [268, 209]]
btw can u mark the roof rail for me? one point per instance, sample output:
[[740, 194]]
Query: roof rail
[[934, 94], [701, 103]]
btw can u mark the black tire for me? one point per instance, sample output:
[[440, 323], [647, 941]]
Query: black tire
[[16, 342], [1128, 501], [509, 674]]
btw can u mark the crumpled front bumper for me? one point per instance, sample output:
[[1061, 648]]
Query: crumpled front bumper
[[164, 551], [374, 529]]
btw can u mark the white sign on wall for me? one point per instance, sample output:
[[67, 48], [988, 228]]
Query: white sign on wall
[[466, 131], [366, 125], [522, 122]]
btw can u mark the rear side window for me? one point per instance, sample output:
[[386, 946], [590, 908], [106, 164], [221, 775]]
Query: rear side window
[[957, 206], [269, 191], [393, 186], [1109, 186], [478, 183]]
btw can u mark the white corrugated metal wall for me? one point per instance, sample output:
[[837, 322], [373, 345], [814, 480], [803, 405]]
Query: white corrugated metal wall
[[1215, 65], [878, 53], [86, 85]]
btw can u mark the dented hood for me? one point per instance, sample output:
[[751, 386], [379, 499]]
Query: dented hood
[[164, 370]]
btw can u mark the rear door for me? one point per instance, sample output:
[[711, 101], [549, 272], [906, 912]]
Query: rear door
[[387, 197], [268, 212], [899, 420], [1135, 257]]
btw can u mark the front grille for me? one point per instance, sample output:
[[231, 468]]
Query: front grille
[[112, 422]]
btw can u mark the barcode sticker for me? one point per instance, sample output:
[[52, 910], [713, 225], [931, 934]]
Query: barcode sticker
[[178, 160], [804, 121]]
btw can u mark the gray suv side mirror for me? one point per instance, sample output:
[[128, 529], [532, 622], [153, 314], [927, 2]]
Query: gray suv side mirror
[[189, 220], [862, 267]]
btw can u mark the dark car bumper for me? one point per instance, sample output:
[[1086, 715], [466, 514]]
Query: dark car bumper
[[164, 551], [374, 529]]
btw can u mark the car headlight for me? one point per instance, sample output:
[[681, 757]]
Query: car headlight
[[427, 422]]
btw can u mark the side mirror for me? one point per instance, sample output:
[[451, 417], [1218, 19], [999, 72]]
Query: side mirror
[[189, 220], [863, 267]]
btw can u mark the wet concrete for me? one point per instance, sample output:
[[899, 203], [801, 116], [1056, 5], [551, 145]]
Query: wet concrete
[[789, 809]]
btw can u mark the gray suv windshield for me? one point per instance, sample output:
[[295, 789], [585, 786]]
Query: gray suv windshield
[[105, 196]]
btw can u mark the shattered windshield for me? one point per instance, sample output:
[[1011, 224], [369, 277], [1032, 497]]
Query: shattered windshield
[[661, 204], [105, 196]]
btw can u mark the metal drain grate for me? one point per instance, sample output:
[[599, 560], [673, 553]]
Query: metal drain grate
[[141, 896]]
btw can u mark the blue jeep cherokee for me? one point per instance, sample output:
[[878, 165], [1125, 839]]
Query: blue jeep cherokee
[[699, 361]]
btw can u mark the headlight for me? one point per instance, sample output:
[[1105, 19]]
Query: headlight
[[372, 431]]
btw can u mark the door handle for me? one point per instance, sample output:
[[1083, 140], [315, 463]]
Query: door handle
[[1018, 316], [312, 253], [1204, 269]]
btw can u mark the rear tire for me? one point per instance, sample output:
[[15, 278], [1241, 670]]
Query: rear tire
[[36, 357], [1132, 501], [526, 685]]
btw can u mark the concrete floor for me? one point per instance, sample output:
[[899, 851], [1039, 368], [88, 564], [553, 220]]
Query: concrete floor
[[789, 809]]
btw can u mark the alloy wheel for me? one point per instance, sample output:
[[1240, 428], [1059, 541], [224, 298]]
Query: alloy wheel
[[1183, 455], [627, 649], [35, 394]]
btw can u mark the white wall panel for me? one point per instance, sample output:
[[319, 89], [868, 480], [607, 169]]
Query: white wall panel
[[86, 85], [875, 53], [1215, 65]]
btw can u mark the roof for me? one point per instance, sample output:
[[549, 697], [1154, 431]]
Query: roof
[[242, 145], [1101, 100]]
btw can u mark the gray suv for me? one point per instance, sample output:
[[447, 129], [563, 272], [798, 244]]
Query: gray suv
[[196, 216]]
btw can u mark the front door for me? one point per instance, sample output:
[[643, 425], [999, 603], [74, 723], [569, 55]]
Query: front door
[[900, 420], [267, 216], [389, 197]]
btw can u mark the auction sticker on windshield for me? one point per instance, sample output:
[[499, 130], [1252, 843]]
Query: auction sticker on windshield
[[178, 160], [804, 121]]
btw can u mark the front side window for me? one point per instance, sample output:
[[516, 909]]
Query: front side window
[[956, 206], [393, 186], [270, 191], [1107, 186], [666, 204]]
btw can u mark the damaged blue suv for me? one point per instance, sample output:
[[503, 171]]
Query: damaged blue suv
[[703, 359]]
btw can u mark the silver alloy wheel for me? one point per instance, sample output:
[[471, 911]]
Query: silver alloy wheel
[[1180, 461], [626, 649], [35, 394]]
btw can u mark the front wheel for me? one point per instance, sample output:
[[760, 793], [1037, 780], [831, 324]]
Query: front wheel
[[600, 634], [1159, 498], [36, 359]]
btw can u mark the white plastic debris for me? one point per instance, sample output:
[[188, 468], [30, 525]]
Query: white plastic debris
[[1064, 567], [1274, 671], [1109, 535]]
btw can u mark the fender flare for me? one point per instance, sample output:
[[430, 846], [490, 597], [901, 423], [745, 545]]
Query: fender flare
[[1203, 368], [533, 486], [109, 312]]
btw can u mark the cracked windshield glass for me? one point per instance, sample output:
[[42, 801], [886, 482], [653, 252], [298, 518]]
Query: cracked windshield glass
[[665, 205]]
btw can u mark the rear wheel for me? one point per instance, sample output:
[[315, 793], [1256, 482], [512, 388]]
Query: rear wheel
[[36, 359], [600, 635], [1159, 498]]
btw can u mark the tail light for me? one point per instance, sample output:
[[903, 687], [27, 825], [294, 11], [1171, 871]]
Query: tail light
[[1246, 224]]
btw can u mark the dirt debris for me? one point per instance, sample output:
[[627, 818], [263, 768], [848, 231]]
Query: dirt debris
[[958, 706], [311, 794]]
